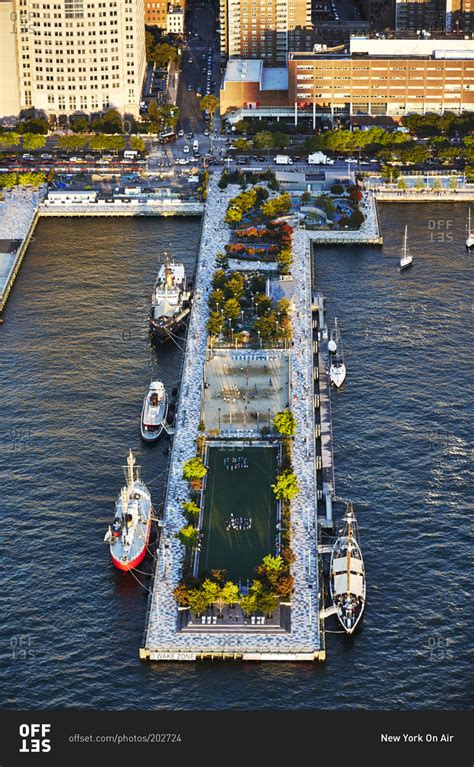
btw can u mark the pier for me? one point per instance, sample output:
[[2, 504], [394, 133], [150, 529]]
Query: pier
[[370, 233], [18, 218], [300, 638], [21, 210]]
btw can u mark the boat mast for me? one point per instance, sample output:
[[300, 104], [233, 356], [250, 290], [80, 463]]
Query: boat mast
[[349, 517], [405, 239], [130, 474]]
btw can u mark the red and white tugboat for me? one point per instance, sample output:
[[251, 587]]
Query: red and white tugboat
[[129, 534]]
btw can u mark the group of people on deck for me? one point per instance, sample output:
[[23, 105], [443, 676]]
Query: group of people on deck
[[239, 523]]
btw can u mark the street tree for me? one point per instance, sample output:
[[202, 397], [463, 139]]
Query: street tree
[[137, 143], [8, 140], [72, 142], [33, 141], [209, 104]]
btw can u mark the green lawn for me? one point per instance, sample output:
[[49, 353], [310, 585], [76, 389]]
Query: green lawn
[[244, 492]]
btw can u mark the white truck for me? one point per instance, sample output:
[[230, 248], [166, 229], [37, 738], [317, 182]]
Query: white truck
[[319, 158], [283, 159]]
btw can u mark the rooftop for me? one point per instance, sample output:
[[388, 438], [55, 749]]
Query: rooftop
[[243, 70], [274, 79]]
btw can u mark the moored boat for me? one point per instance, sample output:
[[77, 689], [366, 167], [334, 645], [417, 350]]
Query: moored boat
[[129, 533], [171, 301], [347, 574], [337, 368], [406, 259], [154, 412], [470, 233]]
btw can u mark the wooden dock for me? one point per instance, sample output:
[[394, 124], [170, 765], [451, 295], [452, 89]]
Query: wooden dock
[[320, 339]]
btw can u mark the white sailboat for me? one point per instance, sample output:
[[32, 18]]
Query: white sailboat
[[406, 259], [470, 233], [337, 368], [347, 574]]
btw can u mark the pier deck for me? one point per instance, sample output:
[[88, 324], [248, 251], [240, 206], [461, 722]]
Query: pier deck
[[18, 217], [302, 640]]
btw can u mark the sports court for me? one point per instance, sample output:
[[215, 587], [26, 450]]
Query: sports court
[[240, 510]]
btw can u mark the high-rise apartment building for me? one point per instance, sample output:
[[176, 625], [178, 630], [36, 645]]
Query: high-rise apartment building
[[460, 15], [434, 15], [265, 29], [65, 56], [412, 15], [379, 13]]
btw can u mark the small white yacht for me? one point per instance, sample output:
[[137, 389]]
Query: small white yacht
[[337, 368], [154, 412]]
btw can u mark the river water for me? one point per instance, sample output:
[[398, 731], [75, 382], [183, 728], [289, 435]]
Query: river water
[[75, 364]]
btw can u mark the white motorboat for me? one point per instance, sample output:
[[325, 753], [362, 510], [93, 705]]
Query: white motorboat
[[406, 259], [347, 574], [154, 412], [337, 368], [470, 233]]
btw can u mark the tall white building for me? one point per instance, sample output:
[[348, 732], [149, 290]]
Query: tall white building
[[64, 56]]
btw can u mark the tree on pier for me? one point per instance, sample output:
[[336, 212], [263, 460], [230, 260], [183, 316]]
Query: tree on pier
[[277, 206], [197, 600], [215, 324], [248, 603], [189, 536], [231, 309], [285, 423], [191, 511], [194, 469], [286, 486]]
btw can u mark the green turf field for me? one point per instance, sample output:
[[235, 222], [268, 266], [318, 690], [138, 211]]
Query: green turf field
[[243, 492]]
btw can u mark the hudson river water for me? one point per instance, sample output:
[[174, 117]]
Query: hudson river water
[[75, 364]]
